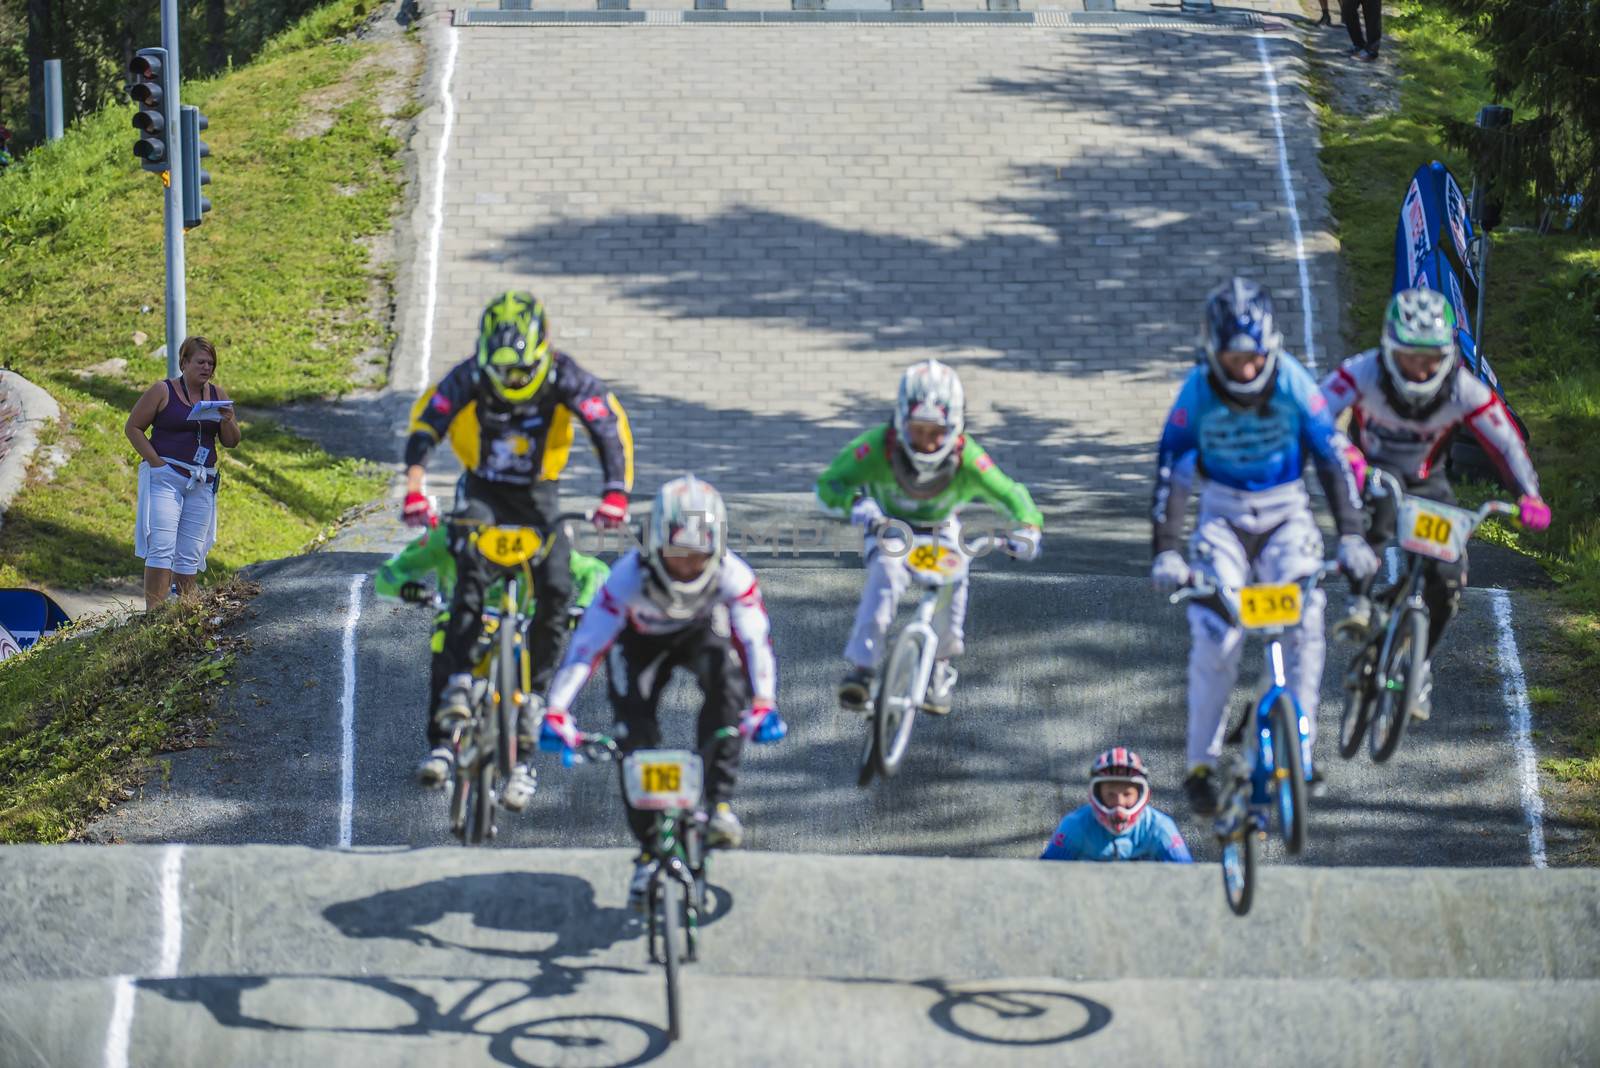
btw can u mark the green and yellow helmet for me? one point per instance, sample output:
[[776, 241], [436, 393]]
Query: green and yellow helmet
[[514, 346]]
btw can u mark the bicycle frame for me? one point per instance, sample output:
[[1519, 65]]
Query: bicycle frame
[[1260, 761]]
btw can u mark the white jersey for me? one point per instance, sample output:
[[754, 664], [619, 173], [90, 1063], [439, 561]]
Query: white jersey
[[623, 602], [1413, 445]]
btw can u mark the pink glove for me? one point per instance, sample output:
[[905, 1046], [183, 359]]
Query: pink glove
[[1534, 513], [1358, 464], [418, 511], [613, 510]]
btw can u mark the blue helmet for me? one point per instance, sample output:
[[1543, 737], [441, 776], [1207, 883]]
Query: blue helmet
[[1238, 317]]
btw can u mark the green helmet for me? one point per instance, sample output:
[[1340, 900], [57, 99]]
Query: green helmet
[[514, 351], [1419, 321]]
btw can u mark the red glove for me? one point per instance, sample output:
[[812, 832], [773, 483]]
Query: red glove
[[1358, 464], [418, 511], [1533, 513], [613, 510]]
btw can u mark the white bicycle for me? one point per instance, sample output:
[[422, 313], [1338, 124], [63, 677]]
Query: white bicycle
[[937, 563]]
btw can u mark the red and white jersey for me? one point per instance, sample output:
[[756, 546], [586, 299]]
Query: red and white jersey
[[623, 602], [1417, 446]]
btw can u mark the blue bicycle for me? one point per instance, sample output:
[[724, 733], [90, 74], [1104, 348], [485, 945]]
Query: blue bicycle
[[1277, 753]]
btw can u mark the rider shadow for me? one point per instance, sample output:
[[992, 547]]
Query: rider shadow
[[555, 911]]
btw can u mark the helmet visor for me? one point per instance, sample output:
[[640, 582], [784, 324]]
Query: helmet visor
[[1418, 364]]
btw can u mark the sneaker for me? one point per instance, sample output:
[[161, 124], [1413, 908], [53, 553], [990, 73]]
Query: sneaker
[[436, 767], [855, 689], [940, 690], [455, 700], [1356, 623], [1201, 789], [1325, 20], [644, 868], [528, 719], [1424, 707], [724, 831], [519, 789]]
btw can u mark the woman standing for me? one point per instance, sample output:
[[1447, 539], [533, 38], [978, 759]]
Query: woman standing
[[176, 522]]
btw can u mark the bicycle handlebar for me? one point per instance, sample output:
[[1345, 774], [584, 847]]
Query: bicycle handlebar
[[1393, 487], [1197, 590]]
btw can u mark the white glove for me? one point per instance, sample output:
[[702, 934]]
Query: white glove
[[1356, 557], [1170, 572], [1024, 544], [866, 514]]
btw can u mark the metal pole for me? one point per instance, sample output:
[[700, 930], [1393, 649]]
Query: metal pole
[[1483, 284], [177, 310], [53, 120]]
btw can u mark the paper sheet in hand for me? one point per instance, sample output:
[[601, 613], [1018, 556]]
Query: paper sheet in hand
[[208, 411]]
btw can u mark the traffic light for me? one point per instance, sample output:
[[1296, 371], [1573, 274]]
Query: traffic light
[[148, 90], [195, 204]]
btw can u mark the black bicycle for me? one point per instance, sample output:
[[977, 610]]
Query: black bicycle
[[485, 743], [671, 784], [1390, 672]]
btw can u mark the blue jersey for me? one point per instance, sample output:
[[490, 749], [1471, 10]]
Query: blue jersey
[[1254, 448], [1153, 836]]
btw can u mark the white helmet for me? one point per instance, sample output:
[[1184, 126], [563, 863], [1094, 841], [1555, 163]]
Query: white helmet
[[1418, 320], [930, 392], [688, 514]]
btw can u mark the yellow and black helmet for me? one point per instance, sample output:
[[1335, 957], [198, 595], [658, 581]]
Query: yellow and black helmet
[[514, 346]]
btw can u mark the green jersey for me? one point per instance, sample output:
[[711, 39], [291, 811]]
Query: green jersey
[[431, 552], [865, 465]]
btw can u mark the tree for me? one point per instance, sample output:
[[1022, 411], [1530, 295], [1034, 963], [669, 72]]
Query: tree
[[1545, 62]]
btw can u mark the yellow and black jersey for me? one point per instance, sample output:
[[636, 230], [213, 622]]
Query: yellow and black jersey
[[519, 444]]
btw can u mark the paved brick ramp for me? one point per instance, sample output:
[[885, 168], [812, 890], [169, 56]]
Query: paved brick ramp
[[751, 231]]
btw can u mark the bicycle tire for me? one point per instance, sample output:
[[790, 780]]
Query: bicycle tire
[[1409, 654], [460, 800], [1358, 701], [1239, 871], [481, 826], [505, 704], [1290, 772], [671, 900], [898, 699]]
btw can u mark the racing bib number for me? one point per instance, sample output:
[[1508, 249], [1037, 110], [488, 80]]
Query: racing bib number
[[509, 546], [658, 779], [933, 559], [1261, 607], [1432, 528]]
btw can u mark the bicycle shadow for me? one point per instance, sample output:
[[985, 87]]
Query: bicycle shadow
[[552, 924]]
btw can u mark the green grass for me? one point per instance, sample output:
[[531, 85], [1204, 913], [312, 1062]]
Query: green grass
[[1541, 332], [279, 277], [81, 714]]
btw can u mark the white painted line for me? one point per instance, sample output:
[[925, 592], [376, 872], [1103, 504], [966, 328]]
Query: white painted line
[[1308, 316], [121, 1026], [171, 912], [1521, 716], [119, 1031], [436, 214], [347, 717]]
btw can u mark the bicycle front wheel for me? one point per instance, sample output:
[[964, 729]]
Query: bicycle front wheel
[[1405, 672], [670, 901], [505, 702], [1289, 773], [899, 695], [480, 807], [1239, 870]]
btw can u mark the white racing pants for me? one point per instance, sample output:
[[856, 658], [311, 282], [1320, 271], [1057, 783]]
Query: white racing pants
[[1249, 548], [887, 579]]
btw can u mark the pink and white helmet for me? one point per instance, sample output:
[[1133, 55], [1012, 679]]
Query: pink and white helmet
[[930, 392], [1118, 765]]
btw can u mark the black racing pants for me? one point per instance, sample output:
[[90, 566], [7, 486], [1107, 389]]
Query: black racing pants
[[639, 668], [1354, 12], [1441, 582], [515, 506]]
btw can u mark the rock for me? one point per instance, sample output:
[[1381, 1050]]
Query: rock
[[140, 337]]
